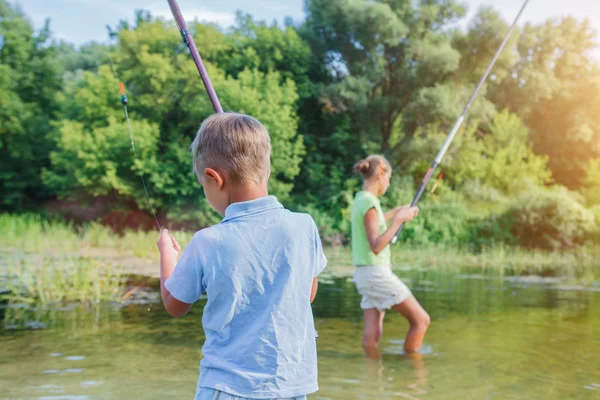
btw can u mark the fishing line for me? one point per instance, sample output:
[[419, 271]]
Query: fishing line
[[124, 101]]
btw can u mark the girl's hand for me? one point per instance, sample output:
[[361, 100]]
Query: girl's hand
[[167, 245], [406, 214]]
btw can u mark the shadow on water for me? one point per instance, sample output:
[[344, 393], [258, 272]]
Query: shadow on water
[[491, 336]]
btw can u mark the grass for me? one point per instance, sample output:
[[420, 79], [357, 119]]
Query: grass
[[514, 259], [62, 281], [581, 264], [31, 235], [52, 262]]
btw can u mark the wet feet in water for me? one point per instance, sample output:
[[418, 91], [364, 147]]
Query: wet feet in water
[[372, 352]]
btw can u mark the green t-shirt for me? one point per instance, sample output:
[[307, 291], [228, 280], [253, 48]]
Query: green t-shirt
[[361, 250]]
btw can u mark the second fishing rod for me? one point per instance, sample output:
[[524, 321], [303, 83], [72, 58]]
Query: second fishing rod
[[461, 118]]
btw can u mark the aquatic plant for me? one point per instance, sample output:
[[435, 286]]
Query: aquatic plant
[[60, 281]]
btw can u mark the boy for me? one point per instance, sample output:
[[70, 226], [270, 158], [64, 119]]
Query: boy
[[258, 268]]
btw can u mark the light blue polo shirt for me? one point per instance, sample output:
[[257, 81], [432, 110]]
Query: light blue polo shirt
[[256, 268]]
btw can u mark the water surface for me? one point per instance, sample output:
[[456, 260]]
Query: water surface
[[492, 336]]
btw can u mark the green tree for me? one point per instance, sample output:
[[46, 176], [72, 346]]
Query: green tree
[[555, 87], [391, 61], [499, 157], [167, 102], [591, 184], [504, 158], [88, 56], [30, 77], [478, 44], [256, 45]]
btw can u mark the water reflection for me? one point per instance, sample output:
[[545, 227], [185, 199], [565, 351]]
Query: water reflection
[[490, 337]]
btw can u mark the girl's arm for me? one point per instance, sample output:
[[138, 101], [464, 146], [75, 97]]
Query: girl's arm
[[390, 214], [379, 242]]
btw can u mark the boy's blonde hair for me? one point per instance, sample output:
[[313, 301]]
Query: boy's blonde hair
[[370, 165], [237, 143]]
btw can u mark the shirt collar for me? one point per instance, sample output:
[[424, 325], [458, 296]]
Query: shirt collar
[[244, 208]]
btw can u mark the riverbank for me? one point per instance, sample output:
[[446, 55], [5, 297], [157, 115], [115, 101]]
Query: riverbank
[[31, 240]]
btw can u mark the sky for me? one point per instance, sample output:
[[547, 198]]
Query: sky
[[80, 21]]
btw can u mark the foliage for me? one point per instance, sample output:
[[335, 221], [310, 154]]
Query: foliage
[[355, 77], [390, 61], [30, 77], [440, 221], [591, 184], [554, 86], [595, 235], [93, 156], [509, 157], [33, 233], [256, 45], [549, 218]]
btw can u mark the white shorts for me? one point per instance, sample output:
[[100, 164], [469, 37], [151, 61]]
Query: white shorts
[[380, 287]]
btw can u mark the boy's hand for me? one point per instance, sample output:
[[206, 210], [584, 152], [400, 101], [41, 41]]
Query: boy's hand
[[406, 214], [167, 245]]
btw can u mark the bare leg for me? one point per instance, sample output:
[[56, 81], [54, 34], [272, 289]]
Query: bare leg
[[373, 331], [418, 319]]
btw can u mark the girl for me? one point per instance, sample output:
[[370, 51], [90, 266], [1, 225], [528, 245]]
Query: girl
[[374, 279]]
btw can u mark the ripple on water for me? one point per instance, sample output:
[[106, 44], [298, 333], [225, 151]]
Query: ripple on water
[[34, 325], [577, 288], [75, 358], [89, 384], [64, 371], [46, 387], [397, 348]]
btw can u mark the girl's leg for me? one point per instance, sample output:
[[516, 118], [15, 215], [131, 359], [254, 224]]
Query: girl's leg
[[418, 319], [373, 331]]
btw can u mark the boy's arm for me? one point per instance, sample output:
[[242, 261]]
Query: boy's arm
[[390, 214], [313, 290], [169, 248], [320, 260], [378, 242]]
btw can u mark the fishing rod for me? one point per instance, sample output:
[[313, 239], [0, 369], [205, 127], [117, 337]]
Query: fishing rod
[[189, 42], [459, 121]]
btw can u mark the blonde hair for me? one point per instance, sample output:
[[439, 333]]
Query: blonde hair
[[237, 143], [370, 165]]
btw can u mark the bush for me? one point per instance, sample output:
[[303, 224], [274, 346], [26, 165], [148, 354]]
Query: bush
[[333, 231], [489, 231], [401, 191], [595, 210], [474, 190], [441, 221], [551, 218]]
